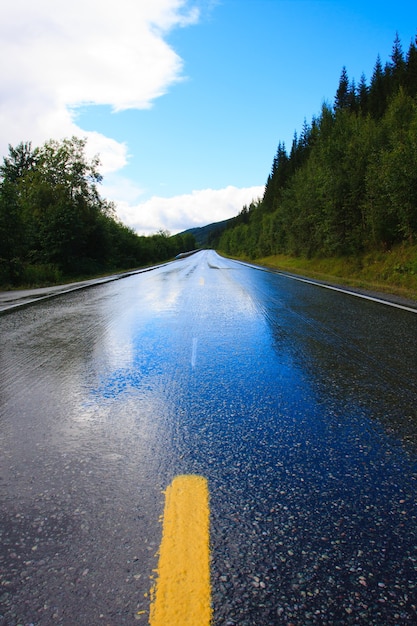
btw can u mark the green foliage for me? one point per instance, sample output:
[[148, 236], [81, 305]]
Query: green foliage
[[349, 183], [54, 223], [393, 271]]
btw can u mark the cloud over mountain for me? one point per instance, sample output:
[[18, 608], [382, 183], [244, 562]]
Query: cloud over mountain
[[188, 210]]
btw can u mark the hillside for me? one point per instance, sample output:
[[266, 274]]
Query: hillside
[[203, 235], [347, 187]]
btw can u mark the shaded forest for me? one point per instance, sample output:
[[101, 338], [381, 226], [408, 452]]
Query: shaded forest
[[349, 182], [54, 225]]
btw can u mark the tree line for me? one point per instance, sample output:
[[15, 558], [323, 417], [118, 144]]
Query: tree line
[[54, 224], [349, 182]]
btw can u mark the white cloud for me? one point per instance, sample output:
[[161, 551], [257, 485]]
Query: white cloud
[[121, 189], [64, 55], [187, 211], [60, 55]]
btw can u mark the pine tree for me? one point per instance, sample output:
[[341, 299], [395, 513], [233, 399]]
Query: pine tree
[[277, 178], [363, 95], [397, 65], [377, 91], [342, 93], [352, 98], [411, 70]]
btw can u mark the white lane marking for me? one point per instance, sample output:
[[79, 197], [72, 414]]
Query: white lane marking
[[352, 293], [333, 288], [194, 352]]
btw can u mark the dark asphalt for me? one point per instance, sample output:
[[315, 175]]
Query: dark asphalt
[[296, 402]]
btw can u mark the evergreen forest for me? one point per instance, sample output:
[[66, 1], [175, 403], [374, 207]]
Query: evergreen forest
[[55, 226], [349, 182]]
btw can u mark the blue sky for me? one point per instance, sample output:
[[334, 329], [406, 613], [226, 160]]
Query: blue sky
[[185, 101]]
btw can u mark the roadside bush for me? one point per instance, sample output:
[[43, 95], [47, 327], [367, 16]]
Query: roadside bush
[[45, 274]]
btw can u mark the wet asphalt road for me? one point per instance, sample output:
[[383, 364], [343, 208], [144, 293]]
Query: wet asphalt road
[[297, 403]]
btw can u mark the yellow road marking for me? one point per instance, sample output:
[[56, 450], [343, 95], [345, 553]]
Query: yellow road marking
[[182, 594]]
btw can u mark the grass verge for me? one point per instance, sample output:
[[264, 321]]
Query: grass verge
[[392, 272]]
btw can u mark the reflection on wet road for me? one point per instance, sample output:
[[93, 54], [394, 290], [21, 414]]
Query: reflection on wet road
[[296, 403]]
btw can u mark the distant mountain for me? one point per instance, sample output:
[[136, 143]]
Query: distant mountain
[[203, 234]]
